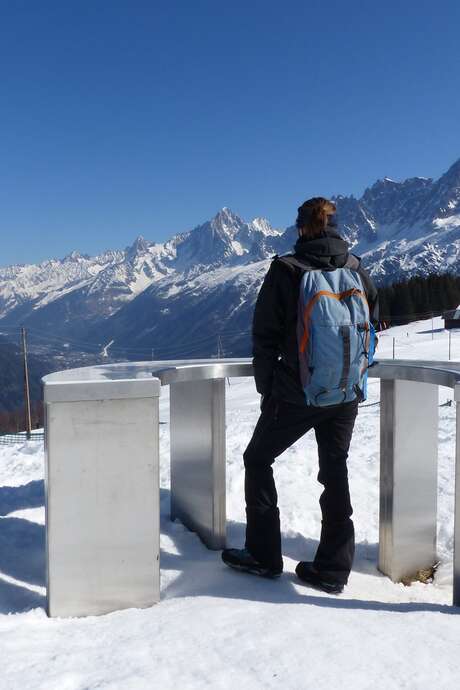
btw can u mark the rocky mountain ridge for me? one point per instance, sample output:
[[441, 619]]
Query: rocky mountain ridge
[[205, 281]]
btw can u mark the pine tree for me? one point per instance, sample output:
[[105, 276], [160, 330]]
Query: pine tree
[[418, 298]]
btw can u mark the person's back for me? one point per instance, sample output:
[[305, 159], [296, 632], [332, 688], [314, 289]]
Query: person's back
[[282, 345]]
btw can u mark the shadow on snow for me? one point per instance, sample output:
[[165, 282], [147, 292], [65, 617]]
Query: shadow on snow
[[22, 548], [201, 571]]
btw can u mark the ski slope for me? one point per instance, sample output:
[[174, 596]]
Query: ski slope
[[219, 629]]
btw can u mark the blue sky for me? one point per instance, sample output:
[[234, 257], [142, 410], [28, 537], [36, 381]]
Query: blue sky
[[135, 117]]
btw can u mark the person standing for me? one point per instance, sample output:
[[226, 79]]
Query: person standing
[[312, 346]]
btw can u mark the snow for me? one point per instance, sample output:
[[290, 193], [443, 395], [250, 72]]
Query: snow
[[140, 282], [219, 629], [425, 340], [105, 349], [237, 248], [262, 225], [448, 223]]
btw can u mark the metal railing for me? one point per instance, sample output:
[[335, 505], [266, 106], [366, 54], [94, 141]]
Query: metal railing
[[102, 487]]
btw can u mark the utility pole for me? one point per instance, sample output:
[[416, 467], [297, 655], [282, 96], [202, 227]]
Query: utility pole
[[220, 351], [26, 384]]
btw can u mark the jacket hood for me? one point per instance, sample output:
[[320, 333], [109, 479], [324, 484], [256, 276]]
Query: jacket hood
[[329, 251]]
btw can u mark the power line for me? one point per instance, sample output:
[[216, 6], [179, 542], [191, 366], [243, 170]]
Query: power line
[[56, 345]]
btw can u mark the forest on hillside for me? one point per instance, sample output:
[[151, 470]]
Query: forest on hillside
[[418, 298]]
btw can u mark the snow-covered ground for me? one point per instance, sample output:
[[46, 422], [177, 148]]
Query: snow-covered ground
[[219, 629]]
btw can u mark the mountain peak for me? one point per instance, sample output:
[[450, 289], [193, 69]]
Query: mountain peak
[[453, 173], [139, 246], [226, 216], [225, 223], [262, 225], [73, 256], [385, 183]]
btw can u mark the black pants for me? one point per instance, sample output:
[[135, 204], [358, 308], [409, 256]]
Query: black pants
[[279, 426]]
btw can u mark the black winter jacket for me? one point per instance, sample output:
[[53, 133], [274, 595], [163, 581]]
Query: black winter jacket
[[274, 331]]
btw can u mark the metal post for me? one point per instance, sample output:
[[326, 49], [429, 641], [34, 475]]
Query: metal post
[[393, 348], [456, 595], [102, 496], [197, 410], [408, 477], [450, 339]]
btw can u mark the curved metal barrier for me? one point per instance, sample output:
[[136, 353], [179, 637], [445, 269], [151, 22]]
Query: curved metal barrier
[[102, 460]]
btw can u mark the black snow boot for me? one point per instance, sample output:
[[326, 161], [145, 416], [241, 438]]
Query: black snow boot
[[241, 559], [307, 572]]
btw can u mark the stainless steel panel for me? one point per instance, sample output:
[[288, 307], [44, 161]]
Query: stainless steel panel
[[408, 446], [408, 477], [456, 596], [438, 373], [197, 412], [167, 371], [102, 507], [118, 389], [202, 372]]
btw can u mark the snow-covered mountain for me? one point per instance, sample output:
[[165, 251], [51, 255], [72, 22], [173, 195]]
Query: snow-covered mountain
[[70, 295], [204, 282], [199, 314], [226, 239], [405, 228]]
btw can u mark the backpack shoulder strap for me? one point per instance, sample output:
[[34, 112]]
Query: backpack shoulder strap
[[353, 262], [293, 263]]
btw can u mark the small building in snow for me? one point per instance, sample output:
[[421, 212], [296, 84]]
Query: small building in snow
[[452, 318]]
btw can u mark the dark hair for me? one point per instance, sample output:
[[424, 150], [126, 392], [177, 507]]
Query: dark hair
[[313, 216]]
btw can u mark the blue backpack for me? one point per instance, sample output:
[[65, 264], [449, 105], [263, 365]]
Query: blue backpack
[[336, 340]]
